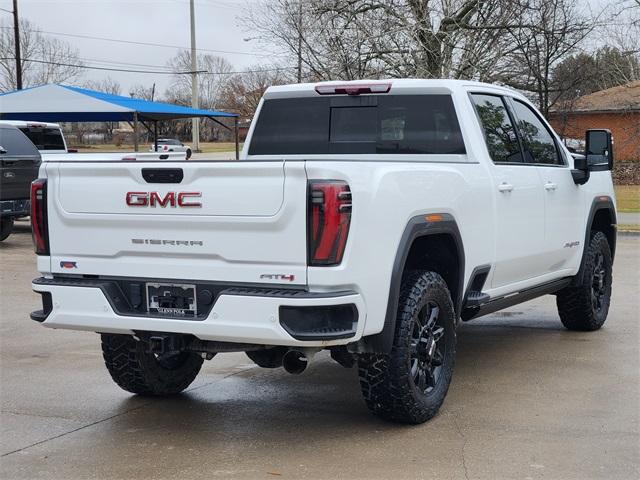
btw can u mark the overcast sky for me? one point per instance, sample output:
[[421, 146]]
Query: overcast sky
[[150, 21]]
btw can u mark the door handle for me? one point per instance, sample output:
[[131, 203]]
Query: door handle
[[549, 186], [505, 187]]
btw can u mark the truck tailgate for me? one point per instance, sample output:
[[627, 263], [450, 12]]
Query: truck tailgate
[[229, 221]]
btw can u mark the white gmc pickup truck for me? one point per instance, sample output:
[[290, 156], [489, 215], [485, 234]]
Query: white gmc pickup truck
[[366, 218]]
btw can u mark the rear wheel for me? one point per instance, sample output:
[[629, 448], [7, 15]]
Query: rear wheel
[[584, 307], [410, 383], [6, 227], [135, 369]]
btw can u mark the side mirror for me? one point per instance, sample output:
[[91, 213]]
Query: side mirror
[[580, 172], [599, 149]]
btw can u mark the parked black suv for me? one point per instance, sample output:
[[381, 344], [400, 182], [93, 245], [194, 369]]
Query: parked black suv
[[19, 164]]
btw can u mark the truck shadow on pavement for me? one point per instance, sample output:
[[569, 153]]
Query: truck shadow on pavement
[[326, 398]]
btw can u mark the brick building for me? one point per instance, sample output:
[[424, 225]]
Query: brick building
[[617, 109]]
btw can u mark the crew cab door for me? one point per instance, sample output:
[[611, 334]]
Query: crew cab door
[[518, 193], [563, 199]]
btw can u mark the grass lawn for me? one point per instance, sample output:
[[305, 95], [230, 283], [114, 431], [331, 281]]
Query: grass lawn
[[628, 198], [206, 147]]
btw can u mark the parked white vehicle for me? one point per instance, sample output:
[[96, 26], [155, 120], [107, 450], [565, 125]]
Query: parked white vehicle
[[171, 145], [47, 137], [50, 141], [367, 218]]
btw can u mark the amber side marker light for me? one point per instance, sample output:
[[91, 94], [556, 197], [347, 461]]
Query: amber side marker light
[[433, 218]]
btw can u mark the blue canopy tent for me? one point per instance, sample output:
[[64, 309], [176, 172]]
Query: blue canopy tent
[[63, 103]]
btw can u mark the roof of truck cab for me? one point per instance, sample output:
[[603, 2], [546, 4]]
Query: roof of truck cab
[[414, 86], [29, 123]]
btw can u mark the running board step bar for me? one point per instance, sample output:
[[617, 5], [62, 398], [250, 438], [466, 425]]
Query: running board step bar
[[506, 301]]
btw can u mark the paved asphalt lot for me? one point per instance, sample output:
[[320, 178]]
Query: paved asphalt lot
[[528, 400]]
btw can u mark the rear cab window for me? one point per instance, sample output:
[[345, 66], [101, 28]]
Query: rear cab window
[[45, 138], [364, 124]]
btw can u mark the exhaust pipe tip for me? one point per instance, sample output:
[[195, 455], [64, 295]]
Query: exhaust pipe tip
[[295, 362]]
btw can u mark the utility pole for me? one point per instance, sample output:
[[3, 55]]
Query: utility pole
[[16, 32], [195, 126], [299, 41]]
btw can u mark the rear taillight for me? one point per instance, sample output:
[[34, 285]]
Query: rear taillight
[[328, 220], [39, 216]]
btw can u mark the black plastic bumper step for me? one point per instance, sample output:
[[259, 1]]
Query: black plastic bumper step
[[475, 299]]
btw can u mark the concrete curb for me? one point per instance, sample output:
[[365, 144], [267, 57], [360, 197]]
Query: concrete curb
[[628, 233]]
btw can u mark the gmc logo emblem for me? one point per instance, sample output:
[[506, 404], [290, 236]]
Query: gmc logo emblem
[[170, 199]]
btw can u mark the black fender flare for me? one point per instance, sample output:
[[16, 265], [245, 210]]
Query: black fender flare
[[601, 202], [418, 226]]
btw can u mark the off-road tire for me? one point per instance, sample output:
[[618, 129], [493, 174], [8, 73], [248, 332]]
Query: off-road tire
[[6, 227], [578, 308], [136, 370], [386, 380], [268, 357]]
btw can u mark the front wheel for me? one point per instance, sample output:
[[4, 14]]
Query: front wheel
[[135, 369], [584, 307], [410, 383]]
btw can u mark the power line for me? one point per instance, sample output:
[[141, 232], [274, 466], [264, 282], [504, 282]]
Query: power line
[[159, 72], [277, 69], [116, 63], [90, 67], [133, 42]]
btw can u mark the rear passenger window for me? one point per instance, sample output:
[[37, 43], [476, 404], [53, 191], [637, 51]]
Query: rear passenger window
[[16, 143], [537, 140], [499, 133]]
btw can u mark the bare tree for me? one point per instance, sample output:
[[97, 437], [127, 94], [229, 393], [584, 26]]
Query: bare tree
[[393, 38], [106, 85], [214, 73], [142, 91], [243, 91], [548, 32], [44, 59]]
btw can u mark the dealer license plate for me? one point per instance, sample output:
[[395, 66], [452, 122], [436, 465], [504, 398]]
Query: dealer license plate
[[172, 299]]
